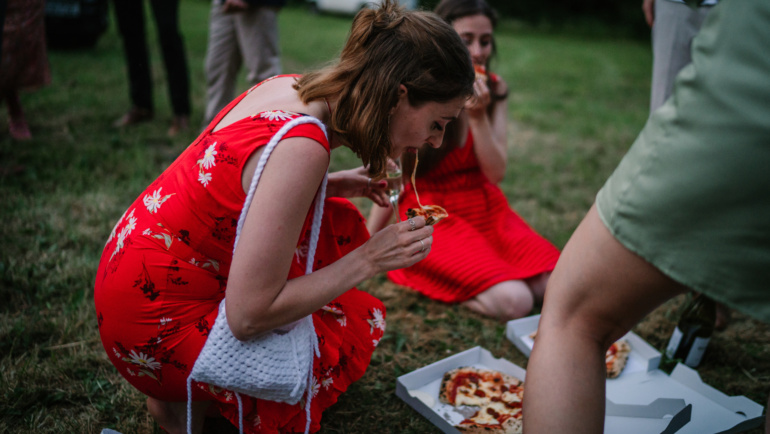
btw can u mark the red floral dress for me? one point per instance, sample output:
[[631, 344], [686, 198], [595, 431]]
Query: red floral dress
[[164, 271], [483, 241]]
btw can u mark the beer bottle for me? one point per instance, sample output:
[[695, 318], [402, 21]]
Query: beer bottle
[[693, 331]]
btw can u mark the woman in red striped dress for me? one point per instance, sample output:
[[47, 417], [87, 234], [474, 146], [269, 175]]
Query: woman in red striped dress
[[484, 255]]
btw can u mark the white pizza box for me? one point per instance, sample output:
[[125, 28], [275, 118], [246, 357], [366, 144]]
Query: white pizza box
[[644, 399], [420, 388], [643, 357]]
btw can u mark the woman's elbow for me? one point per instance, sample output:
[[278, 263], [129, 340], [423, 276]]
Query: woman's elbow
[[243, 328], [496, 176]]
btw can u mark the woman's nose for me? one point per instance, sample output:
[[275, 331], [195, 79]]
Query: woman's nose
[[436, 140]]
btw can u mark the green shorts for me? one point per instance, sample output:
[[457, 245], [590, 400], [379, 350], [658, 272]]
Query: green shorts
[[692, 196]]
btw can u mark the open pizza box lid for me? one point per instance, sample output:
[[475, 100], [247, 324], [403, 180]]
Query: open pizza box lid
[[644, 399]]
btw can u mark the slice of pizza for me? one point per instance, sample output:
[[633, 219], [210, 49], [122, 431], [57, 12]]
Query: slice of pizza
[[481, 72], [615, 358], [498, 395], [431, 213]]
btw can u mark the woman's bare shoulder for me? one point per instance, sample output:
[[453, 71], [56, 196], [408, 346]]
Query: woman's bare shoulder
[[274, 94]]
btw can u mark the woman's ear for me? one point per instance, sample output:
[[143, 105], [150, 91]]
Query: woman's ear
[[401, 97]]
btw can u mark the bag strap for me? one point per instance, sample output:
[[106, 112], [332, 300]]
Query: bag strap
[[315, 230], [320, 196]]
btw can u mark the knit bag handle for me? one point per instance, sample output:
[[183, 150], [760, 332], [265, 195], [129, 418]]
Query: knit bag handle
[[313, 243], [315, 229]]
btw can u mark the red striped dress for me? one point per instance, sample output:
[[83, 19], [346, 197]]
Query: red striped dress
[[164, 271], [483, 241]]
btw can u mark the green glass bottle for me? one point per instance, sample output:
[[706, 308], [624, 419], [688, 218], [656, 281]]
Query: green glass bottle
[[693, 331]]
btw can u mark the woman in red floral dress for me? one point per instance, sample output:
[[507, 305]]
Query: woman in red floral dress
[[169, 261], [509, 263]]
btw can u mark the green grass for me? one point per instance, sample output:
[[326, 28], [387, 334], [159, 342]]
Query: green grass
[[576, 105]]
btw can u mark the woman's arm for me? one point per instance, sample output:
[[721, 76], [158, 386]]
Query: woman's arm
[[379, 217], [490, 135], [259, 296]]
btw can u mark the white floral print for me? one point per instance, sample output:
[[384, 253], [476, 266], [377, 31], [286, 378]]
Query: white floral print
[[209, 157], [124, 232], [207, 162], [204, 178], [377, 321], [277, 115], [154, 202], [315, 387], [327, 382], [143, 360]]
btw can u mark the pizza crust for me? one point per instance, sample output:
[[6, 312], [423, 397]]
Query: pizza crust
[[509, 426]]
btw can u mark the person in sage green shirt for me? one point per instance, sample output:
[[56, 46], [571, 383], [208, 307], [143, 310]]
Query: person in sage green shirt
[[687, 207]]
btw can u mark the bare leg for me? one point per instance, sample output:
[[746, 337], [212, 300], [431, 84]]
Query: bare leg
[[505, 301], [597, 292], [537, 284], [172, 416]]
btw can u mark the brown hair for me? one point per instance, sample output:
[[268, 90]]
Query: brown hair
[[449, 11], [387, 47]]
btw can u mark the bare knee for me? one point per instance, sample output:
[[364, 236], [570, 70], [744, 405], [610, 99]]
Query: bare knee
[[504, 301]]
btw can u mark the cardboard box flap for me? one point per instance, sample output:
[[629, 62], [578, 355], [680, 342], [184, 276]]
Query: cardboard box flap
[[657, 409], [739, 404], [708, 414]]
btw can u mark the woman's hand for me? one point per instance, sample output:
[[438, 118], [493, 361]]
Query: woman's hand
[[357, 183], [476, 106], [399, 245]]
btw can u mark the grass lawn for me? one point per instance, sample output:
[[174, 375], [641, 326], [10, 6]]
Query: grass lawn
[[576, 106]]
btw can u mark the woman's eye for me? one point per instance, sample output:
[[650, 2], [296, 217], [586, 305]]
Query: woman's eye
[[438, 127]]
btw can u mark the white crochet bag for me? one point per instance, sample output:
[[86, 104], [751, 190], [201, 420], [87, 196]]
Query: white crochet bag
[[277, 365]]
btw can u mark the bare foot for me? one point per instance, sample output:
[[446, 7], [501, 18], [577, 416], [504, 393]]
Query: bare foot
[[172, 416]]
